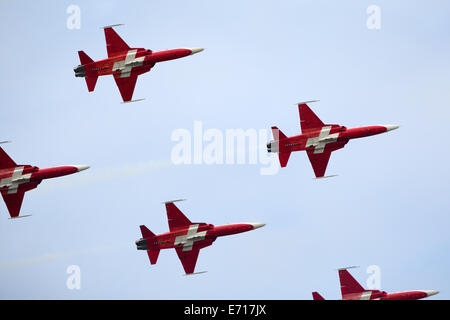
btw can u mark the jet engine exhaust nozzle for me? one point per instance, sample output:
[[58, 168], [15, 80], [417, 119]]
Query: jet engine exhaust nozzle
[[141, 244], [79, 71]]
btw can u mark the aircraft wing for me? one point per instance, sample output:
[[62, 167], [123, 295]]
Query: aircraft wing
[[188, 259], [126, 86], [349, 285], [13, 202], [188, 255], [176, 218], [114, 43], [5, 160], [308, 119], [319, 161]]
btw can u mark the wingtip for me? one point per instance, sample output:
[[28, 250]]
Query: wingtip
[[324, 177], [113, 25], [17, 217], [130, 101], [345, 268], [194, 273], [306, 102], [171, 201]]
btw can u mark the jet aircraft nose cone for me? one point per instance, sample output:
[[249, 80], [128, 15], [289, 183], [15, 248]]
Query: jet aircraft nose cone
[[430, 292], [257, 225], [196, 50], [390, 127], [81, 168]]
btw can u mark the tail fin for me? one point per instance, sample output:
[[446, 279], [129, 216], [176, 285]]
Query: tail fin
[[317, 296], [348, 284], [84, 58], [277, 134], [153, 250]]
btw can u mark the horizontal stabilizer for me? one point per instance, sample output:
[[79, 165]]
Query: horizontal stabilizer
[[153, 255], [278, 134], [91, 81], [145, 232], [317, 296], [284, 158], [84, 58]]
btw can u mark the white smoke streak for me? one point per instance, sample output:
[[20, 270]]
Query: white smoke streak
[[96, 175], [50, 257]]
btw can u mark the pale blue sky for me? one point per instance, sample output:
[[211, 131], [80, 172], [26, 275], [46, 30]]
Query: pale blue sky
[[389, 206]]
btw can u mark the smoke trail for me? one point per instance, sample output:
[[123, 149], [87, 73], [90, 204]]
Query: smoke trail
[[96, 175], [49, 257]]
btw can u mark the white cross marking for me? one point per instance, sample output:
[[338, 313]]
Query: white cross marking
[[366, 295], [126, 65], [190, 237], [322, 140], [13, 182]]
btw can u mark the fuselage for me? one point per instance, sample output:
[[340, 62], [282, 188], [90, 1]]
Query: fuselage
[[26, 177], [198, 234], [329, 137], [138, 60]]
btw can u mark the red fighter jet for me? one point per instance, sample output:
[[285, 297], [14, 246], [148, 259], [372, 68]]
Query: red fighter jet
[[124, 63], [16, 179], [318, 139], [186, 237], [352, 290]]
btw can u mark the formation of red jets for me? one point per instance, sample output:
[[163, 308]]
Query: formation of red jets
[[186, 237]]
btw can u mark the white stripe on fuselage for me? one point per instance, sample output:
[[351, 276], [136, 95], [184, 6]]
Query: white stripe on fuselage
[[129, 63], [190, 237], [16, 179], [322, 140]]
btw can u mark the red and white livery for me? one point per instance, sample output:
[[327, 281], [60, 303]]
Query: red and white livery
[[352, 290], [16, 179], [318, 139], [186, 237], [124, 63]]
